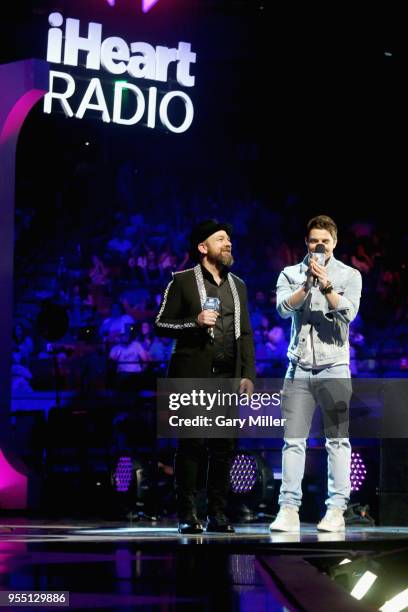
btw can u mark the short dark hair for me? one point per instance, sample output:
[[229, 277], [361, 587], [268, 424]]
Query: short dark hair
[[323, 222]]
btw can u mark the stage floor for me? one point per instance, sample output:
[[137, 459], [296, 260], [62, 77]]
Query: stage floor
[[42, 531], [123, 566]]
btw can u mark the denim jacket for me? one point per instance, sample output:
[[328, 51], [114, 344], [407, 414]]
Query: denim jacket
[[330, 327]]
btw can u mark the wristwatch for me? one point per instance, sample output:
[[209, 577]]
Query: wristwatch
[[327, 289]]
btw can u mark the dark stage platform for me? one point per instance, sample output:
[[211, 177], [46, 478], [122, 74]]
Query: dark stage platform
[[40, 531], [111, 565]]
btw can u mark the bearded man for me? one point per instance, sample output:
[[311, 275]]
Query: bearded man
[[211, 342]]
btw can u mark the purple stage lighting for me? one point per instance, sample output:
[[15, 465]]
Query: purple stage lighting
[[243, 474], [123, 474], [358, 472]]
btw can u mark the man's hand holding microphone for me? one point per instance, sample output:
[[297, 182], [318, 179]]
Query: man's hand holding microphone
[[208, 318], [210, 313], [317, 273]]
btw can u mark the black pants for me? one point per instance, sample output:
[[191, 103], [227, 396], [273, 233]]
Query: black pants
[[218, 452], [194, 453]]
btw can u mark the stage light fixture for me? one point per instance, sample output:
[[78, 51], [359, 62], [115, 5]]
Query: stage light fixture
[[379, 579], [358, 472], [363, 585], [129, 475], [243, 474], [356, 575], [123, 474], [397, 603], [134, 483], [252, 485], [346, 560]]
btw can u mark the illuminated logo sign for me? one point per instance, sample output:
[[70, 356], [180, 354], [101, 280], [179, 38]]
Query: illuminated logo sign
[[137, 60]]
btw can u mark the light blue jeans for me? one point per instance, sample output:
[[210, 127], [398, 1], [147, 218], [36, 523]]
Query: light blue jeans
[[303, 389]]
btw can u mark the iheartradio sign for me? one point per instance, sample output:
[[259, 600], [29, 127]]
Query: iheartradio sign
[[71, 45]]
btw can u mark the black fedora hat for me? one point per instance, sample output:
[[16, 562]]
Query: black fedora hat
[[203, 230]]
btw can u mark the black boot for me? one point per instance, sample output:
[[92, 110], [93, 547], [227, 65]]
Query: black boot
[[218, 523], [190, 525]]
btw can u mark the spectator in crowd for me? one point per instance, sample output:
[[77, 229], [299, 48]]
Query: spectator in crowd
[[183, 264], [153, 273], [82, 312], [146, 334], [141, 257], [167, 263], [120, 245], [167, 259], [99, 287], [20, 378], [388, 285], [98, 272], [361, 259], [277, 345], [158, 349], [265, 326], [23, 344], [129, 356], [257, 312], [261, 354], [115, 325], [136, 265]]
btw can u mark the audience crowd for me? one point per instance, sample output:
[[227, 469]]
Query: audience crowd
[[110, 287]]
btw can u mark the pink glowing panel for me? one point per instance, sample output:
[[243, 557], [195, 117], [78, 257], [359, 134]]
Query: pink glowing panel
[[148, 4], [9, 551], [18, 113], [13, 486]]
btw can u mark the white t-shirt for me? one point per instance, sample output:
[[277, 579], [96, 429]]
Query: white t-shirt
[[125, 353]]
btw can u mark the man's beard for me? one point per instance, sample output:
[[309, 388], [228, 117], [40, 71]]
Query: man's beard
[[224, 258]]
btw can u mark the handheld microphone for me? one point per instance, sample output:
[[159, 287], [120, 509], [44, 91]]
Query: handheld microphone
[[318, 256], [212, 302]]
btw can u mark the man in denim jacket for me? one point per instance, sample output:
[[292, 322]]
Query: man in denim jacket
[[321, 300]]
